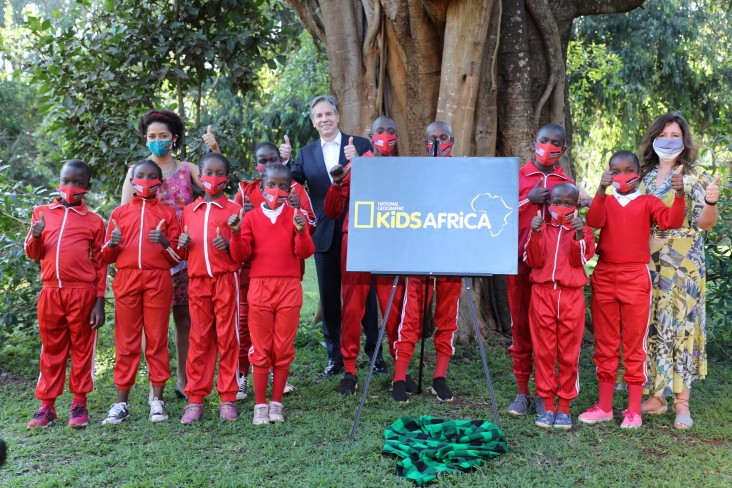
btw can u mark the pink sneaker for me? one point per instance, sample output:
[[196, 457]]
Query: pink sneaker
[[595, 414], [192, 413], [43, 417], [227, 411], [79, 416], [631, 420]]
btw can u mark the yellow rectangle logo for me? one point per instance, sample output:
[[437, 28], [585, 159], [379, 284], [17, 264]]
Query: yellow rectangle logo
[[363, 218]]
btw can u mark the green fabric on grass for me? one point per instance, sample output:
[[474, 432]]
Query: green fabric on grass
[[429, 446]]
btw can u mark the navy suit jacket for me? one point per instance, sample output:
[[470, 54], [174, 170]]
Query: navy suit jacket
[[310, 168]]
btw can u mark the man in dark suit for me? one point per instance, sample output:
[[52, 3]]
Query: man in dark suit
[[312, 167]]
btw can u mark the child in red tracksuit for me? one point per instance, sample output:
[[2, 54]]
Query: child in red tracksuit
[[213, 293], [536, 180], [67, 239], [142, 238], [276, 239], [356, 285], [447, 297], [621, 284], [556, 252], [250, 196]]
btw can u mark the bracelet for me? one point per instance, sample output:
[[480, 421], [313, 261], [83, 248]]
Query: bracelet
[[708, 202]]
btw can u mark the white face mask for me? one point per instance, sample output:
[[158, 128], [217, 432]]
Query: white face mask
[[668, 149], [663, 156]]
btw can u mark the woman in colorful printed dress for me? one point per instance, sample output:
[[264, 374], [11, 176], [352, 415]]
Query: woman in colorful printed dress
[[676, 335], [163, 131]]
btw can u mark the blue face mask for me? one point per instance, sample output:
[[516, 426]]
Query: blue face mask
[[160, 148]]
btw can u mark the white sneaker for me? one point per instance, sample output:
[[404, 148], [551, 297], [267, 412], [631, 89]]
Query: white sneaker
[[242, 393], [157, 411], [275, 412], [261, 414], [118, 413]]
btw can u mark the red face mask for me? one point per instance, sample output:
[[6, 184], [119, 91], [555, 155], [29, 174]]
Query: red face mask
[[275, 197], [562, 215], [146, 188], [71, 194], [213, 185], [443, 150], [625, 182], [547, 154], [384, 143]]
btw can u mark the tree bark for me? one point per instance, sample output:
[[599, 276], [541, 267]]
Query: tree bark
[[493, 69]]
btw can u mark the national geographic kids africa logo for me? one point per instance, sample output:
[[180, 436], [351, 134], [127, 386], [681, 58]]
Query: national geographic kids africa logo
[[487, 212]]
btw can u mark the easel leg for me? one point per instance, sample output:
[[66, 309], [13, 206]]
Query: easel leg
[[373, 359], [425, 309], [469, 289]]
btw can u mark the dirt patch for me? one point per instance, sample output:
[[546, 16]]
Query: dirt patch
[[7, 379]]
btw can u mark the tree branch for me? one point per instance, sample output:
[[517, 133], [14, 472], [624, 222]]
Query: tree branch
[[308, 11], [595, 7], [543, 18]]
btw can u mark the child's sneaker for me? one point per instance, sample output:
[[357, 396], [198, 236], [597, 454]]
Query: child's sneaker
[[157, 411], [192, 413], [539, 406], [399, 392], [43, 417], [562, 421], [227, 411], [546, 420], [520, 404], [288, 388], [631, 420], [594, 415], [118, 413], [79, 417], [275, 412], [348, 384], [411, 386], [261, 414], [242, 393], [441, 390]]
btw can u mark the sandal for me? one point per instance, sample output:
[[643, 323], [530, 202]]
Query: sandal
[[682, 421], [657, 410]]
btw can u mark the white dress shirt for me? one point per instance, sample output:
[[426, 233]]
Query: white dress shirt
[[331, 153], [624, 200]]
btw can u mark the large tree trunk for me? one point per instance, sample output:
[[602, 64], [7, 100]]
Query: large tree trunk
[[493, 69]]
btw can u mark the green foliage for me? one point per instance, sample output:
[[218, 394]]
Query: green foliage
[[19, 283]]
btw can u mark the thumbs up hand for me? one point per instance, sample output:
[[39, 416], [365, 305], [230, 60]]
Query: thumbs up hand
[[248, 205], [677, 181], [285, 149], [712, 193], [209, 138], [299, 222], [350, 150], [38, 226], [220, 242], [185, 239], [115, 237], [235, 221], [158, 236], [539, 195], [537, 222]]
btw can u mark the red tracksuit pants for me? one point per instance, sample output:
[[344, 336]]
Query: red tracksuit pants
[[447, 296], [519, 298], [355, 287], [621, 298], [245, 342], [63, 322], [142, 300], [557, 321], [274, 314], [213, 304]]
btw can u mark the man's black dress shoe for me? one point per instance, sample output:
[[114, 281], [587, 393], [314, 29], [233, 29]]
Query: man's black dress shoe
[[333, 368]]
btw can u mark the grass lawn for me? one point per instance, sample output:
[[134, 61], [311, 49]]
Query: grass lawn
[[312, 448]]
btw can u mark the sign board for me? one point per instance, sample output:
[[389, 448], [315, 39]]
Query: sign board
[[433, 216]]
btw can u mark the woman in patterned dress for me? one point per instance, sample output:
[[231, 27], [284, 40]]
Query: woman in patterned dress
[[676, 335], [163, 132]]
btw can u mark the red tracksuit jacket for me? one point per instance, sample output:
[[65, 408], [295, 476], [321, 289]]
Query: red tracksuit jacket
[[70, 248], [252, 191], [136, 219], [557, 258], [202, 219]]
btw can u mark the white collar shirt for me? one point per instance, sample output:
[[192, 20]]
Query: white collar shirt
[[331, 152], [624, 200]]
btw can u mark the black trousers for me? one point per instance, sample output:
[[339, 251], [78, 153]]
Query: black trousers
[[328, 268]]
